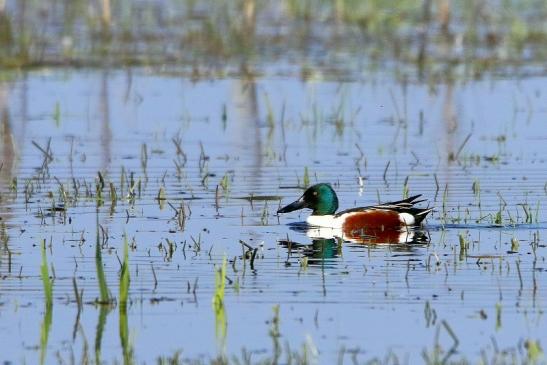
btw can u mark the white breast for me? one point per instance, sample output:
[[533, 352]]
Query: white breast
[[325, 221]]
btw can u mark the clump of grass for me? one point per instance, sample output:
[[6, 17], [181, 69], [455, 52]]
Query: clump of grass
[[528, 215], [171, 247], [180, 214], [197, 243]]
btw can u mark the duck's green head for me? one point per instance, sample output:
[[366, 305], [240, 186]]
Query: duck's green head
[[320, 198]]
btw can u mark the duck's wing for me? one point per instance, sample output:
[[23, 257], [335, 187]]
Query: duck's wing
[[400, 206]]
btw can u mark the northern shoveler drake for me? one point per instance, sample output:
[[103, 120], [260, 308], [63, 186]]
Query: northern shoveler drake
[[354, 222]]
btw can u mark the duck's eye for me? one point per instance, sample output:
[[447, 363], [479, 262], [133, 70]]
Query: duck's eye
[[315, 193]]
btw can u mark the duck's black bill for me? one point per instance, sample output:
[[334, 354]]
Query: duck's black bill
[[299, 204]]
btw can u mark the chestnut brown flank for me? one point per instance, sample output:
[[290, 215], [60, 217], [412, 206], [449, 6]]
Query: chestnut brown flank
[[375, 219], [373, 226]]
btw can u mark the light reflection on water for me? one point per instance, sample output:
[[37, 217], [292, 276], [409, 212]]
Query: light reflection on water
[[367, 296]]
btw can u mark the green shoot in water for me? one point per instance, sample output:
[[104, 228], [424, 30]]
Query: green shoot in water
[[306, 179], [275, 334], [101, 277], [476, 187], [225, 182], [533, 351], [144, 157], [161, 197], [113, 194], [498, 316], [124, 294], [514, 244], [264, 216], [104, 301], [124, 276], [405, 188], [498, 219], [101, 322], [270, 117], [220, 285], [48, 283], [218, 305], [57, 114], [48, 314]]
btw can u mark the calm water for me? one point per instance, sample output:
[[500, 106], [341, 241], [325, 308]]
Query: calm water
[[247, 145]]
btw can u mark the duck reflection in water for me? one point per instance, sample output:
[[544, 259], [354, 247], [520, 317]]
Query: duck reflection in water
[[326, 243]]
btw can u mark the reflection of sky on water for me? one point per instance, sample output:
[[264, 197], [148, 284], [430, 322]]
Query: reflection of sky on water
[[111, 116], [367, 294]]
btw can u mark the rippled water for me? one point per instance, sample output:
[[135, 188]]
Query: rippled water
[[472, 149]]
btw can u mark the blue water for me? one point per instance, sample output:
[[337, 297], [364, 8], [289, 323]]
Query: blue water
[[369, 299]]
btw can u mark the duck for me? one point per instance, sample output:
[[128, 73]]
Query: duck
[[357, 222]]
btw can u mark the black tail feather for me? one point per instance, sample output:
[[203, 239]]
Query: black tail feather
[[420, 214]]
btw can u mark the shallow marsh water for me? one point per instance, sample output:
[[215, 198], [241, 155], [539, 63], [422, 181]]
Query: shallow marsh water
[[364, 299], [231, 143]]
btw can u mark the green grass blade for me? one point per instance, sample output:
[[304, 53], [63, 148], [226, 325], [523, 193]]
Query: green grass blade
[[103, 312], [103, 287], [221, 324], [124, 295], [44, 271], [48, 314], [124, 276]]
